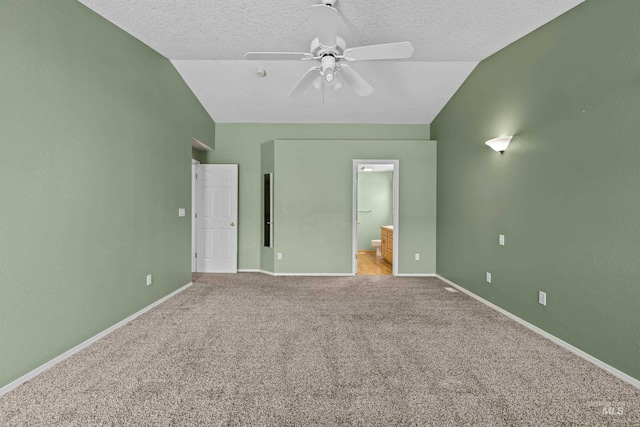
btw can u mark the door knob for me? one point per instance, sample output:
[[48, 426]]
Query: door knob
[[233, 224]]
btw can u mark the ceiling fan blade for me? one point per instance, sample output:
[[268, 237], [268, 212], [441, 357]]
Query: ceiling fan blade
[[326, 18], [304, 82], [353, 80], [399, 50], [274, 56]]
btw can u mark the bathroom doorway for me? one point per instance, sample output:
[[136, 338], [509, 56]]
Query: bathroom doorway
[[375, 217]]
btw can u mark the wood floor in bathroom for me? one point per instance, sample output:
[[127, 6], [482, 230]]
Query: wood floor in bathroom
[[371, 265]]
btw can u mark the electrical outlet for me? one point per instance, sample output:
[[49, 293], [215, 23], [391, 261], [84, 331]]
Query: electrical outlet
[[279, 256], [488, 277], [417, 257], [181, 212], [501, 240], [149, 279], [542, 298]]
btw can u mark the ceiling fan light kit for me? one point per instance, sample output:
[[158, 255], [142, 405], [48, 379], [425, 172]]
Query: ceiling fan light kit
[[331, 52]]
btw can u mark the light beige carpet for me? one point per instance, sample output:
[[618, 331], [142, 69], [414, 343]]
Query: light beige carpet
[[251, 349]]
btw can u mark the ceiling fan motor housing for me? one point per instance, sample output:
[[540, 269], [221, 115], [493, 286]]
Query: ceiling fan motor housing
[[318, 49]]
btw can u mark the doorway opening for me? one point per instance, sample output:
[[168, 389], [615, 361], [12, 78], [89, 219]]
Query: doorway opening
[[375, 217]]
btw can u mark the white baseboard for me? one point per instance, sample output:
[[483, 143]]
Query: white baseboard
[[252, 270], [586, 356], [415, 275], [315, 274], [328, 274], [270, 273], [6, 389]]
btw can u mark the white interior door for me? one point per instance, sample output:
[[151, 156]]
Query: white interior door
[[217, 218]]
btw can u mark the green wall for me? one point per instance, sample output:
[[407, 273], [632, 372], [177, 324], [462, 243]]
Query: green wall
[[314, 202], [565, 193], [375, 206], [240, 143], [95, 148]]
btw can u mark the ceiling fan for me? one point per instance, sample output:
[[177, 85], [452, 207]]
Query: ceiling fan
[[331, 53]]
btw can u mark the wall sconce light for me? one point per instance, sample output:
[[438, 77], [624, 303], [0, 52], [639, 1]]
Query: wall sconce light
[[499, 144]]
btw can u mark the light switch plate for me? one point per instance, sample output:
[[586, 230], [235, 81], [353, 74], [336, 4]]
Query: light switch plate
[[488, 277], [501, 240], [149, 279], [542, 298]]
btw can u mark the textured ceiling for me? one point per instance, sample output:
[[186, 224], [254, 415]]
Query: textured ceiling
[[206, 40], [396, 98]]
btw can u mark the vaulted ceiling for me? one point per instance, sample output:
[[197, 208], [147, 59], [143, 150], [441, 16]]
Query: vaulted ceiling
[[207, 39]]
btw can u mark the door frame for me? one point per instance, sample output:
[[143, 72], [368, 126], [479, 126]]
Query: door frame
[[396, 210], [194, 220]]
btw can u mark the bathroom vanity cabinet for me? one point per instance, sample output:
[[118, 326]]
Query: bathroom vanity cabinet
[[386, 235]]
